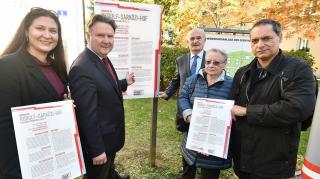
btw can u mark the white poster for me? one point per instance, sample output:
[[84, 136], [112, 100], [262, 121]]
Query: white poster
[[210, 126], [137, 44], [48, 141], [70, 13], [237, 47]]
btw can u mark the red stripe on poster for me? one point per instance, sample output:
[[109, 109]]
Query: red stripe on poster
[[76, 137], [311, 166], [120, 6], [157, 55], [36, 108], [305, 176]]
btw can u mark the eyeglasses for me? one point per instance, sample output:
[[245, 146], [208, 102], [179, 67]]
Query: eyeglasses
[[216, 63]]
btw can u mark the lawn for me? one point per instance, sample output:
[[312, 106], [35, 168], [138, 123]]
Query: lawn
[[134, 157]]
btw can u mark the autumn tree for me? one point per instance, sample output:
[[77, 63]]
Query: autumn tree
[[296, 16], [179, 16], [204, 13]]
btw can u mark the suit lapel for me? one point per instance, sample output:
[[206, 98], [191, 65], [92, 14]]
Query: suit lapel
[[36, 72], [202, 61], [100, 66], [188, 64]]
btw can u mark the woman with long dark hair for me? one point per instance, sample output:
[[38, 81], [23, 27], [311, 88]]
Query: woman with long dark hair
[[32, 71]]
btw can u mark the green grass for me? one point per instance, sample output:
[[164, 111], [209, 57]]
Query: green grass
[[134, 157]]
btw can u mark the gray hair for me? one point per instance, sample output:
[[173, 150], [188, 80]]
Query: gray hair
[[202, 32], [216, 50]]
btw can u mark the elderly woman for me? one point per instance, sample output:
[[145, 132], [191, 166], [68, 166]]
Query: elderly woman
[[209, 82], [32, 71]]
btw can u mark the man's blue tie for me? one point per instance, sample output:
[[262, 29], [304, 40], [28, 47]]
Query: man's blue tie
[[193, 69]]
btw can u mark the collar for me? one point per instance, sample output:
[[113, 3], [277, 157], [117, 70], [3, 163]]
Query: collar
[[200, 54], [222, 76], [272, 68], [275, 64], [95, 52]]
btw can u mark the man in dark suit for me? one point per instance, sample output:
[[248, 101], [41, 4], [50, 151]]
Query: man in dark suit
[[98, 96], [186, 65]]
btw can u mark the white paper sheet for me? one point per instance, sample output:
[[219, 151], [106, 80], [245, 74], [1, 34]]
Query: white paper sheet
[[210, 126], [48, 141]]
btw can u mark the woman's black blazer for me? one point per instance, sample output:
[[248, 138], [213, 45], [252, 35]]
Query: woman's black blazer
[[21, 83]]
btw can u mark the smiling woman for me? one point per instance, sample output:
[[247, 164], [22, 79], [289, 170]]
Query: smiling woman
[[32, 71], [43, 37]]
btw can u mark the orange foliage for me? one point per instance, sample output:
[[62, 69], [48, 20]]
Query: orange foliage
[[296, 16]]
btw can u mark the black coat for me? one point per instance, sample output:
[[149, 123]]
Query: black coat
[[22, 83], [265, 141], [99, 102]]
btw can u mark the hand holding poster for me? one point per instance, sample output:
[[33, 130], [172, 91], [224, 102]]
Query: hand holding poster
[[48, 141], [210, 126]]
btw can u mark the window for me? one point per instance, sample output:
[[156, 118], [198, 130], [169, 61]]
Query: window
[[303, 44]]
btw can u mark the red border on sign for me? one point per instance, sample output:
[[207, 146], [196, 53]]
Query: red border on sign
[[120, 6], [157, 55], [311, 166]]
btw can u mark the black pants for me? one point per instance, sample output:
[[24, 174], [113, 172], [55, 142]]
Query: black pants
[[189, 172], [105, 171], [245, 175]]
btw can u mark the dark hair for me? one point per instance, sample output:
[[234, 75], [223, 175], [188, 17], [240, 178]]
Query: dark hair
[[20, 40], [275, 25], [102, 18]]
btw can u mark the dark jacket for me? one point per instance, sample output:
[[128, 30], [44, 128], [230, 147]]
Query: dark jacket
[[181, 74], [265, 141], [99, 102], [197, 86], [22, 83]]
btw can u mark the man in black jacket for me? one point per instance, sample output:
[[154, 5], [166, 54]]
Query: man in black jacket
[[273, 95]]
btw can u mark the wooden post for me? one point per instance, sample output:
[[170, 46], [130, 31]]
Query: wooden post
[[153, 138]]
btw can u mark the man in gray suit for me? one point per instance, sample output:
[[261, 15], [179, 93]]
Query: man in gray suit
[[186, 65]]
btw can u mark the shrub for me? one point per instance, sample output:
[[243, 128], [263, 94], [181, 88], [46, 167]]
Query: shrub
[[302, 55]]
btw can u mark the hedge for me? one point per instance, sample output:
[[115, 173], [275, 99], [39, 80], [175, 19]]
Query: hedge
[[302, 55], [168, 64]]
